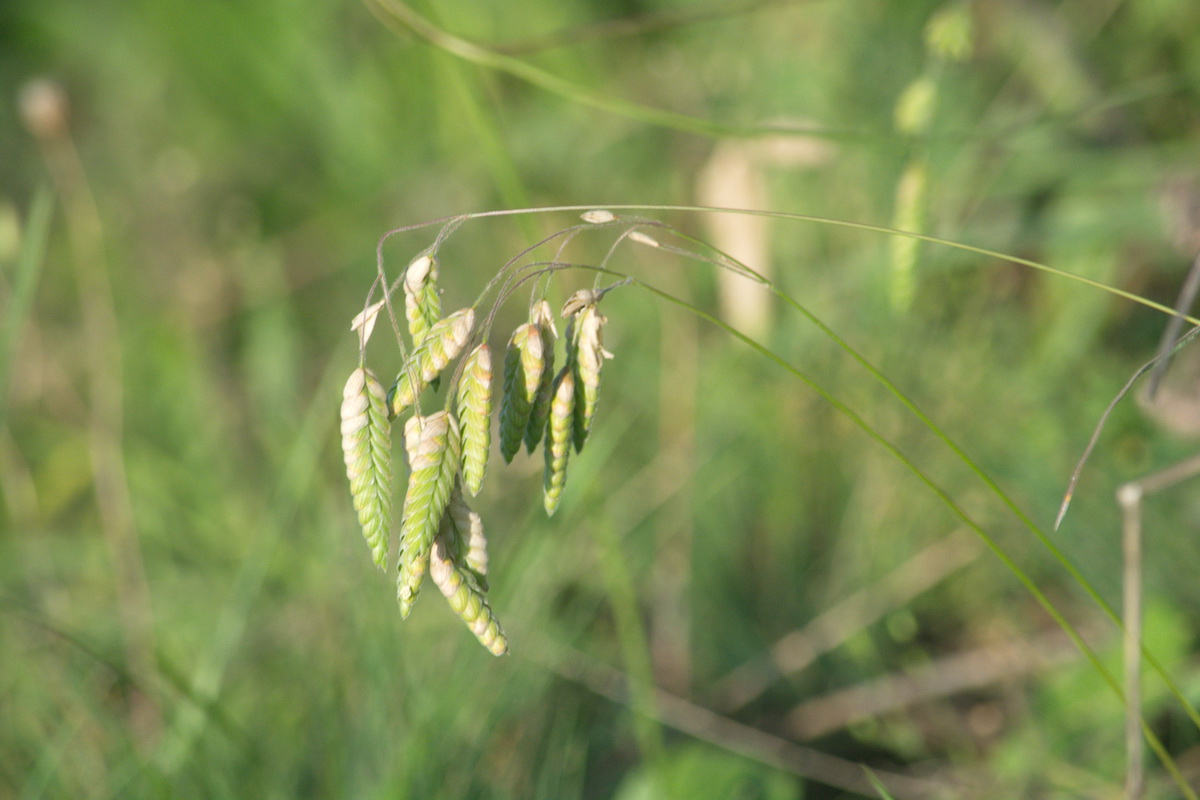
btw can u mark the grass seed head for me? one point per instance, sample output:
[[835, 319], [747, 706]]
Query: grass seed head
[[524, 363], [462, 528], [442, 344], [466, 597], [578, 301], [558, 439], [434, 453], [475, 411], [422, 303], [543, 318], [588, 355], [598, 216], [367, 450]]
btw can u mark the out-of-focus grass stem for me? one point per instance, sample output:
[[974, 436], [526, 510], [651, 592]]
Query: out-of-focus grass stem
[[45, 113]]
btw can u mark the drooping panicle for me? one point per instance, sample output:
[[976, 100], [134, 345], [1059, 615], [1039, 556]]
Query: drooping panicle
[[434, 453], [441, 345], [475, 412], [367, 450]]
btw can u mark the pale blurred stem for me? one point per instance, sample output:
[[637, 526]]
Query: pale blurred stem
[[670, 631], [632, 636], [102, 353], [1129, 497]]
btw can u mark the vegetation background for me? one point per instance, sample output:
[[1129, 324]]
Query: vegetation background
[[186, 605]]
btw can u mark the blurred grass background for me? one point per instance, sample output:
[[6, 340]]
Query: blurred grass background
[[187, 606]]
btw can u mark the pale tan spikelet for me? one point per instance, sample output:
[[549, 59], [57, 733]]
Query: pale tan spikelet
[[463, 529], [466, 598], [367, 449], [364, 322], [588, 358], [524, 363], [578, 301], [543, 318], [442, 344], [422, 304], [558, 439], [598, 216], [434, 449], [475, 412]]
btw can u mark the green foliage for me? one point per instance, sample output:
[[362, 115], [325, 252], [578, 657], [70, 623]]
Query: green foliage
[[237, 162]]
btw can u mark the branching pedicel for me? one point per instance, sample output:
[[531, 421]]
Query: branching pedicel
[[439, 533]]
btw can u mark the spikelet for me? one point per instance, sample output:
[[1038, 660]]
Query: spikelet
[[579, 301], [442, 344], [434, 450], [422, 304], [524, 364], [909, 215], [475, 411], [367, 448], [558, 439], [587, 358], [543, 318], [462, 528], [466, 597]]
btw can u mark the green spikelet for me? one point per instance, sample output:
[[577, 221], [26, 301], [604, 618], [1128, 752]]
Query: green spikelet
[[587, 358], [543, 318], [441, 345], [463, 529], [367, 448], [422, 304], [524, 364], [558, 439], [466, 597], [434, 450], [909, 215], [475, 411]]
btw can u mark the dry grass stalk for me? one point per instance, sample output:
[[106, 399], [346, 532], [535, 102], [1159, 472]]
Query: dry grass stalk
[[558, 439], [367, 449], [524, 363], [543, 318], [422, 304], [441, 345], [434, 450], [475, 411]]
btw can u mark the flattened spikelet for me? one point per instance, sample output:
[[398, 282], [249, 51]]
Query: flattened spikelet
[[589, 355], [544, 320], [466, 597], [524, 363], [422, 304], [441, 345], [475, 411], [367, 449], [463, 529], [434, 450], [558, 439]]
